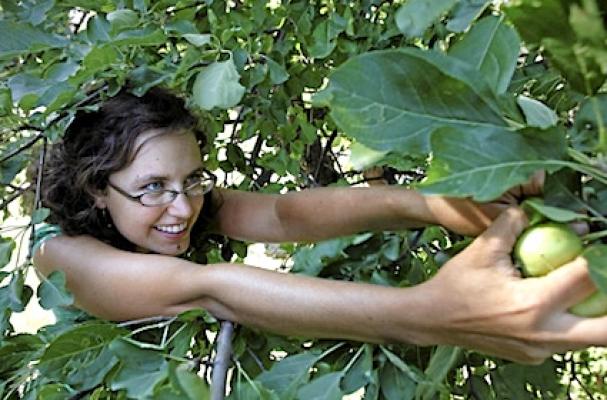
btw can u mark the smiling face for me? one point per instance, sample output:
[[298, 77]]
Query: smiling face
[[163, 161]]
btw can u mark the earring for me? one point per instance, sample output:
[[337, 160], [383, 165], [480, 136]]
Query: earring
[[106, 217]]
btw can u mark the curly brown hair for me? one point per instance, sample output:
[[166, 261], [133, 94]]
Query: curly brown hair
[[102, 142]]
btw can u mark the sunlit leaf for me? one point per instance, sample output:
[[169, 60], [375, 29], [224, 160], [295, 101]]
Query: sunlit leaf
[[217, 86]]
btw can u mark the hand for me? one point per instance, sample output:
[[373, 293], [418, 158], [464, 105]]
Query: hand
[[481, 301], [466, 217]]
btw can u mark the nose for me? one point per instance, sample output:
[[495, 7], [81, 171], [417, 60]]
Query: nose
[[181, 207]]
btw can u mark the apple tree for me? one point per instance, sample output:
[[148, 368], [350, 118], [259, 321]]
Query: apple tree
[[465, 98]]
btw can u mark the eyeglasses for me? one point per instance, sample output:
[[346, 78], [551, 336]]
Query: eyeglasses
[[202, 185]]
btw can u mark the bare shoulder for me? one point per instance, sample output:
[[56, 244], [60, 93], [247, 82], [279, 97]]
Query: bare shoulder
[[120, 285]]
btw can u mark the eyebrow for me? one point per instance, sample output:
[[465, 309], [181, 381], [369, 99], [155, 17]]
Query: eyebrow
[[153, 177]]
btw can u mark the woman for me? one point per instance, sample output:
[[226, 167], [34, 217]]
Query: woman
[[128, 189]]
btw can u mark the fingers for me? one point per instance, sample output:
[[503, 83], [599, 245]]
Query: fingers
[[570, 283], [503, 232]]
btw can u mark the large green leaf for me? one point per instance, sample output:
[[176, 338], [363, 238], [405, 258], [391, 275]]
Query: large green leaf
[[19, 38], [80, 356], [393, 99], [415, 16], [487, 164], [217, 86], [492, 47]]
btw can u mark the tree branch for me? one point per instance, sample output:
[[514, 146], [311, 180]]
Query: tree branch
[[222, 360]]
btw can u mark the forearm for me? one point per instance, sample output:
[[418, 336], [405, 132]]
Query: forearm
[[311, 307], [329, 212], [323, 213]]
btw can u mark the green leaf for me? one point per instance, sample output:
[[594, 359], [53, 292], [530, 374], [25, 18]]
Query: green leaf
[[55, 391], [324, 388], [360, 373], [18, 38], [140, 369], [198, 39], [148, 36], [252, 390], [122, 19], [217, 86], [491, 47], [278, 73], [464, 12], [444, 359], [16, 294], [392, 100], [536, 113], [53, 293], [591, 122], [286, 376], [596, 255], [192, 385], [362, 157], [80, 356], [553, 213], [40, 214], [6, 102], [395, 384], [486, 165], [310, 260], [516, 381], [17, 351], [413, 374], [325, 36], [7, 245], [100, 58], [415, 16]]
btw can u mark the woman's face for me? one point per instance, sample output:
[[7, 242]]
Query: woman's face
[[163, 161]]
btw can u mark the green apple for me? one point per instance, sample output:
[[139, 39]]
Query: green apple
[[594, 305], [545, 247]]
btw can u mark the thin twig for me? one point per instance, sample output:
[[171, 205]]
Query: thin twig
[[13, 196], [37, 198], [222, 360], [144, 321], [21, 149]]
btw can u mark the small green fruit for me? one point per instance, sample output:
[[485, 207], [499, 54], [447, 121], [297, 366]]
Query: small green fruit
[[545, 247]]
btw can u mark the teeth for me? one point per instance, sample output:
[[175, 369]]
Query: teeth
[[171, 228]]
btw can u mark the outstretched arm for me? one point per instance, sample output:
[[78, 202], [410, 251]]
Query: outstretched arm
[[322, 213], [477, 300]]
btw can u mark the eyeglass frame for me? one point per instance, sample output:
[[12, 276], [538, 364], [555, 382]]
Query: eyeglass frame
[[208, 175]]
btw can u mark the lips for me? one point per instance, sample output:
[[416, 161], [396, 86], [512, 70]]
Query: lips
[[174, 229]]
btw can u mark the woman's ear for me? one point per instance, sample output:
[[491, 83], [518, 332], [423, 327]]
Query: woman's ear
[[100, 201]]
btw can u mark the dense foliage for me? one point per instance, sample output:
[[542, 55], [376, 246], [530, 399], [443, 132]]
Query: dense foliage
[[458, 97]]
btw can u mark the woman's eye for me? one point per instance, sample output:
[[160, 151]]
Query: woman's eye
[[153, 187]]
